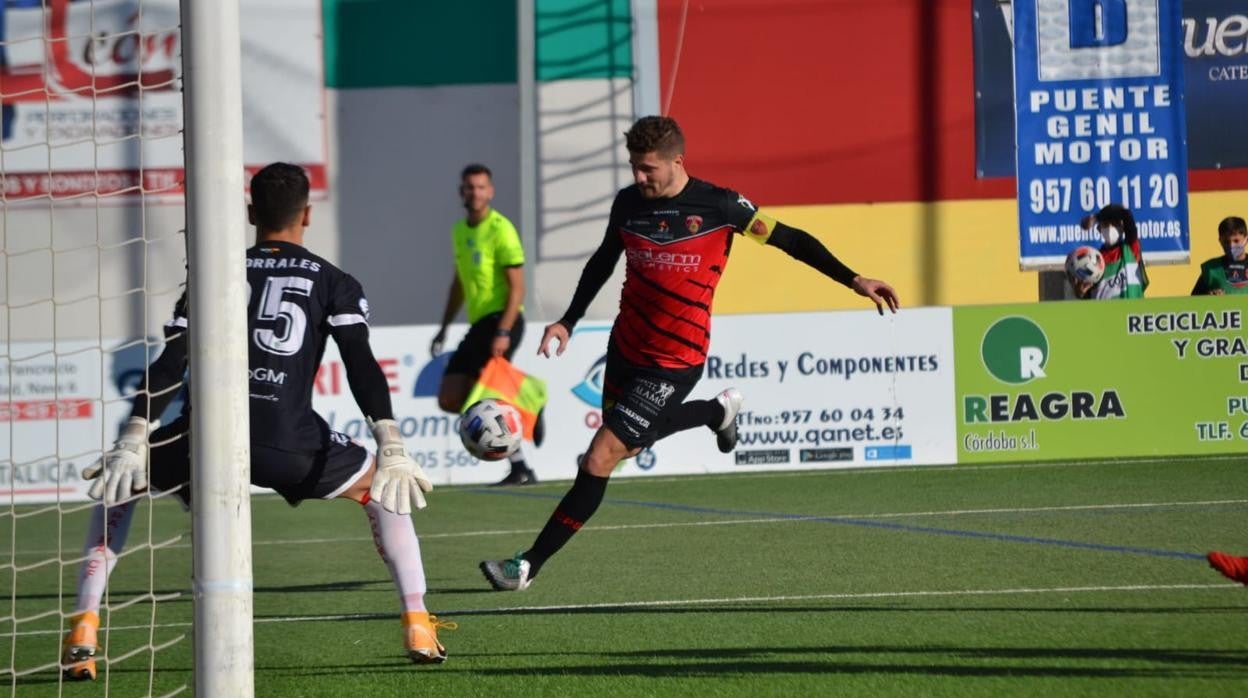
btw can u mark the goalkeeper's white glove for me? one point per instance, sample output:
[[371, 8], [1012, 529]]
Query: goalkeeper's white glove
[[121, 471], [399, 483]]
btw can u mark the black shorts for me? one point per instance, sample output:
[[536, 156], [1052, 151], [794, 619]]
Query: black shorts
[[323, 473], [637, 399], [477, 346]]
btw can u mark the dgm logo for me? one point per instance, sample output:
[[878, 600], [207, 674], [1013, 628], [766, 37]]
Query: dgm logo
[[1016, 351]]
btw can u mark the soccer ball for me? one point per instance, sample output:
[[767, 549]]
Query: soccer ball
[[491, 429], [1085, 264]]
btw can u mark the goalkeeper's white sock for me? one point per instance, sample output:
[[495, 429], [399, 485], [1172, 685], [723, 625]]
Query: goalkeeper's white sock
[[400, 550], [106, 536]]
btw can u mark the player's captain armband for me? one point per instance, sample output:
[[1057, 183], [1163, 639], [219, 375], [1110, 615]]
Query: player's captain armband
[[759, 228]]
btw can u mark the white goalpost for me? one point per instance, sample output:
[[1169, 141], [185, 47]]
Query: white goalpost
[[220, 451]]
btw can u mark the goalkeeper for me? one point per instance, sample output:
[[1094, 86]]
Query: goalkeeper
[[296, 301]]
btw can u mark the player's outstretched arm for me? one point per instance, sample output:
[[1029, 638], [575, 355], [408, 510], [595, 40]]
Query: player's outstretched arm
[[555, 332], [164, 377], [399, 483], [122, 470], [597, 270], [879, 292], [807, 249], [368, 384]]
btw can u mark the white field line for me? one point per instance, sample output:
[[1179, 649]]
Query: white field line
[[892, 469], [664, 603], [739, 522]]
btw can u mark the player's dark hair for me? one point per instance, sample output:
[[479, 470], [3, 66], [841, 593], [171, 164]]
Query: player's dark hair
[[475, 168], [1120, 216], [279, 193], [655, 134], [1232, 224]]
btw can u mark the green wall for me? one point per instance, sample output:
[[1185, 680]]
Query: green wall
[[405, 43], [584, 39]]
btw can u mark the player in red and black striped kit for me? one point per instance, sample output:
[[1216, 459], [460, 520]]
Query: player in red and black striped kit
[[675, 233]]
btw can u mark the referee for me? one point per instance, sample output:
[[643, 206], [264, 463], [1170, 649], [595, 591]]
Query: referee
[[489, 280]]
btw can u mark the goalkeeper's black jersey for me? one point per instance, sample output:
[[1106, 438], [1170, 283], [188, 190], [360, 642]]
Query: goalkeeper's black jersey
[[296, 301]]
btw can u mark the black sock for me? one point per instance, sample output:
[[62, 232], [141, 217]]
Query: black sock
[[573, 511], [695, 413]]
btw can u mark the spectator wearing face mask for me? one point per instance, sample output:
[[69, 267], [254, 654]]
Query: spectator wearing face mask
[[1228, 273], [1125, 275]]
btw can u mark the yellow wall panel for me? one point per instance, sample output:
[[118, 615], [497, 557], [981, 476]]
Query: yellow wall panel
[[942, 253]]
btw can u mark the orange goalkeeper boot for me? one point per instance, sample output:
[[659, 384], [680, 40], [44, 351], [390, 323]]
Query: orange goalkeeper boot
[[79, 647], [420, 635], [1231, 567]]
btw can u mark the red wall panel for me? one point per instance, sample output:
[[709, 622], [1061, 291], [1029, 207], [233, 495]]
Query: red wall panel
[[833, 101]]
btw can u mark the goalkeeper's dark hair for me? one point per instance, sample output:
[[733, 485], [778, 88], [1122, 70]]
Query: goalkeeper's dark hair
[[1231, 225], [279, 193], [475, 168], [655, 134]]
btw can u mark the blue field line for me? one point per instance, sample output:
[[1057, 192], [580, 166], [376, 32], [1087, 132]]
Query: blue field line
[[868, 523]]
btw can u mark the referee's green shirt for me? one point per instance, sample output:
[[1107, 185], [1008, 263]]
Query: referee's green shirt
[[482, 255]]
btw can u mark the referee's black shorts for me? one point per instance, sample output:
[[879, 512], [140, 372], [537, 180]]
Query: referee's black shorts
[[477, 346]]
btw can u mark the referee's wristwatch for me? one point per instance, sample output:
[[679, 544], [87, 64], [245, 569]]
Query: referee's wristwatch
[[500, 332]]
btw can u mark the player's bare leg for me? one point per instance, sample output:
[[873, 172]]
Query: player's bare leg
[[451, 396], [605, 452], [397, 544], [577, 506]]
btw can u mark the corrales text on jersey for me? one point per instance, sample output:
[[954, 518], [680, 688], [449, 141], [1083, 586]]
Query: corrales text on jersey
[[283, 263]]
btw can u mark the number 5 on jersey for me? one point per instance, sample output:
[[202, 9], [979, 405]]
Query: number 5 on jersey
[[276, 306]]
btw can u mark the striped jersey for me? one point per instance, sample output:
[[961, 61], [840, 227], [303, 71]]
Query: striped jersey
[[675, 252], [1125, 275]]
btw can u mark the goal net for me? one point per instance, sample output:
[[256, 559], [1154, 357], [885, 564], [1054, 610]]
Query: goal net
[[93, 261]]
